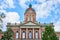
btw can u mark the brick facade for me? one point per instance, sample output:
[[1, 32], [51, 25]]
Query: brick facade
[[1, 34]]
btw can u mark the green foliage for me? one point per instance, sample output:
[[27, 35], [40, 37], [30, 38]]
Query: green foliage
[[8, 35], [49, 34], [0, 30]]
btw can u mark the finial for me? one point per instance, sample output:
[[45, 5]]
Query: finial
[[30, 5]]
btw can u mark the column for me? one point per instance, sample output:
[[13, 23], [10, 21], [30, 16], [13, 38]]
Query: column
[[26, 33], [33, 33], [20, 33], [40, 33], [14, 36]]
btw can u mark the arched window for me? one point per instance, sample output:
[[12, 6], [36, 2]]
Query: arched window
[[36, 35], [30, 34], [31, 18], [23, 34], [28, 18], [17, 34]]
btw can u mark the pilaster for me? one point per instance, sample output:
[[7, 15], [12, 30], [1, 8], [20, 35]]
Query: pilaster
[[33, 33], [26, 33]]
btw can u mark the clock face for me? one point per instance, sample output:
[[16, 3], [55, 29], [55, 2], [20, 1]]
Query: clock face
[[30, 11]]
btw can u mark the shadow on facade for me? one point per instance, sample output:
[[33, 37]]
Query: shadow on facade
[[28, 39]]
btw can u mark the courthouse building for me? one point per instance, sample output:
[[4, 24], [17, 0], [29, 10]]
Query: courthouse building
[[29, 29]]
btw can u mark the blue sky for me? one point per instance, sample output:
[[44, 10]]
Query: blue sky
[[47, 11]]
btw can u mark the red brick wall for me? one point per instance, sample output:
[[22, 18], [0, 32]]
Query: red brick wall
[[1, 34]]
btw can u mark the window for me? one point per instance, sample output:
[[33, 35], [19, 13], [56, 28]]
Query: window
[[30, 34], [28, 18], [26, 15], [31, 18], [23, 34], [17, 34], [36, 35], [30, 11]]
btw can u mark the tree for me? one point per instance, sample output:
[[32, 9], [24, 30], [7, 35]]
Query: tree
[[8, 35], [2, 15], [0, 30], [49, 34]]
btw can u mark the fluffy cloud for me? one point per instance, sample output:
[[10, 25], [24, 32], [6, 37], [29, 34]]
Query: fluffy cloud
[[43, 10], [57, 26], [6, 4], [10, 3], [11, 17], [41, 1], [22, 3]]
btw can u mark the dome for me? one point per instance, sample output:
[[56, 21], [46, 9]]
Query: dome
[[30, 9]]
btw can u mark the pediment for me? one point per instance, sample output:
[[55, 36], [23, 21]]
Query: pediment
[[30, 23]]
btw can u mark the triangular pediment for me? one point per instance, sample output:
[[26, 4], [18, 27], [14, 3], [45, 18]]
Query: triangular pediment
[[30, 23]]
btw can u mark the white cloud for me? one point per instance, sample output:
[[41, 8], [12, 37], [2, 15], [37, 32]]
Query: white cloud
[[11, 3], [22, 3], [42, 10], [3, 11], [11, 17], [57, 26], [41, 1], [7, 4], [58, 1]]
